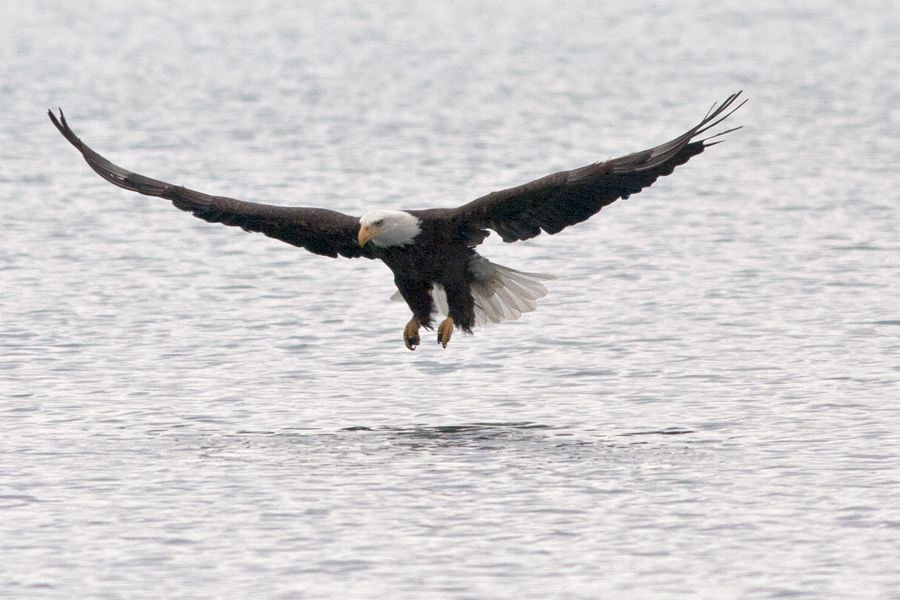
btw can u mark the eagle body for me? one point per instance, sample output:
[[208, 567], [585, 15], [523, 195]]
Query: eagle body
[[431, 252], [438, 255]]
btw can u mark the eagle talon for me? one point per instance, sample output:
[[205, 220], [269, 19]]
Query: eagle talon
[[411, 334], [445, 330]]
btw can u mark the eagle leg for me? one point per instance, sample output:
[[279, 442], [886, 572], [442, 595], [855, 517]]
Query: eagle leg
[[411, 334], [445, 330]]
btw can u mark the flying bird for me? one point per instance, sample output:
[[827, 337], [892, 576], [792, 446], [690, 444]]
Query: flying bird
[[432, 252]]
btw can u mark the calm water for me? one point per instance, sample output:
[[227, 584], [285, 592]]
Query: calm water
[[706, 404]]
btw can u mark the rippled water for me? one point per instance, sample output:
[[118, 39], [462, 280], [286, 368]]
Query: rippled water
[[706, 404]]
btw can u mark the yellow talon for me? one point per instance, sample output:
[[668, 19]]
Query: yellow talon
[[445, 330], [411, 334]]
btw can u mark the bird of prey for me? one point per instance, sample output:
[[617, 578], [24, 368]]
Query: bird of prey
[[432, 252]]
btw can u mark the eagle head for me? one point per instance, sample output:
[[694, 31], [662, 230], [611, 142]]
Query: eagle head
[[386, 228]]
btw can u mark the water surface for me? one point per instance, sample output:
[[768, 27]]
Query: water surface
[[704, 406]]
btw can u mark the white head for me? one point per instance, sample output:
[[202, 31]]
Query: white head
[[386, 228]]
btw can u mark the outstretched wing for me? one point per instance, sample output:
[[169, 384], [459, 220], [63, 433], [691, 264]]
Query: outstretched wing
[[319, 230], [556, 201]]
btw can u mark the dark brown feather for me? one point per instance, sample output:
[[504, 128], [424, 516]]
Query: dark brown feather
[[556, 201], [319, 230]]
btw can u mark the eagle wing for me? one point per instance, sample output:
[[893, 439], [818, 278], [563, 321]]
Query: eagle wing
[[319, 230], [556, 201]]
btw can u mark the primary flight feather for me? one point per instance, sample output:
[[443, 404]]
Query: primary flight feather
[[431, 252]]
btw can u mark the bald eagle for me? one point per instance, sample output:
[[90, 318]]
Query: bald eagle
[[432, 252]]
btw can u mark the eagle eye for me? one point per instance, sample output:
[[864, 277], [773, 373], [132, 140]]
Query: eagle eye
[[379, 223]]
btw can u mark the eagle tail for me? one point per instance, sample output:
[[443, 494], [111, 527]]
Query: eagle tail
[[501, 293]]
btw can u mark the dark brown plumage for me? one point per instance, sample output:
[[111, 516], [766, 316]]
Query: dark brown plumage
[[556, 201], [318, 230], [431, 251]]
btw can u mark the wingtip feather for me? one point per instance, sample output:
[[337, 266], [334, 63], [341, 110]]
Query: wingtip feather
[[718, 115]]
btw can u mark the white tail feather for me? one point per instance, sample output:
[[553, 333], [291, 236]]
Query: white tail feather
[[500, 293]]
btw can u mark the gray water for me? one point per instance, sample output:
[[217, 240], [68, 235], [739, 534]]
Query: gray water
[[705, 406]]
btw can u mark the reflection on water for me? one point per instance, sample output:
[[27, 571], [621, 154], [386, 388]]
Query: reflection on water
[[666, 431]]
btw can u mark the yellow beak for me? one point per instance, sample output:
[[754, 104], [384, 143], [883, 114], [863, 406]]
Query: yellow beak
[[366, 233]]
